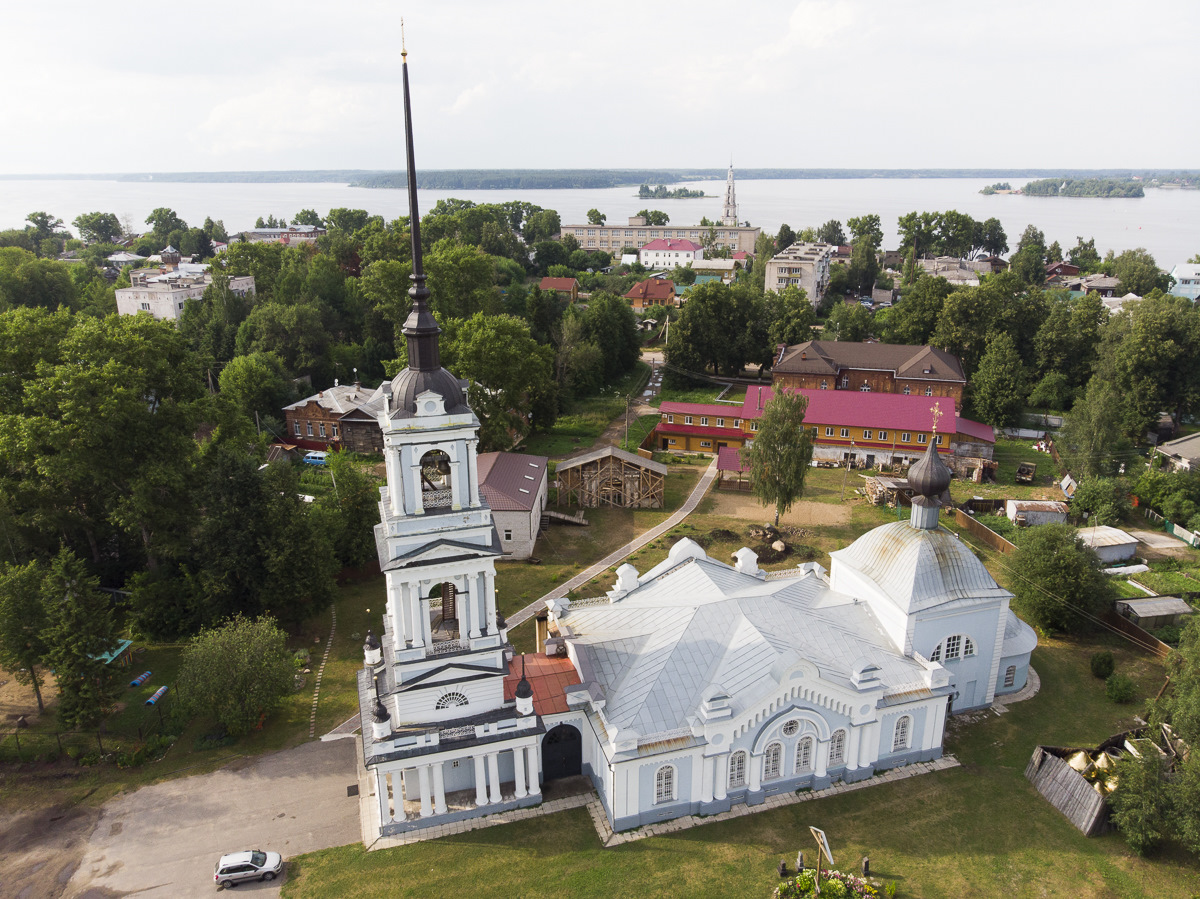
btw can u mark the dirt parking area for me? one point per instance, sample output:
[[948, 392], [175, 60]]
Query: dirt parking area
[[802, 514]]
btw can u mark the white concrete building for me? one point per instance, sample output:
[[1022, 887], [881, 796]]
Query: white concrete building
[[667, 253], [164, 291], [803, 265], [1187, 281], [515, 487]]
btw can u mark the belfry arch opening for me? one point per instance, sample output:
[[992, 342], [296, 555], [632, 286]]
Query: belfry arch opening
[[436, 484]]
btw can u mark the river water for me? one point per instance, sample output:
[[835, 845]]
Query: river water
[[1165, 222]]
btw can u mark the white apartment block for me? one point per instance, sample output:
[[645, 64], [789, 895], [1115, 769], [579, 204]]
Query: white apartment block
[[163, 291], [803, 265], [613, 238]]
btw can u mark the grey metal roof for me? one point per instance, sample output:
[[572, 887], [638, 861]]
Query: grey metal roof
[[1157, 605], [1019, 637], [1185, 447], [919, 569], [1103, 535], [575, 461], [701, 624]]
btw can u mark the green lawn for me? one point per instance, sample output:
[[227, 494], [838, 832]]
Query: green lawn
[[1170, 582], [978, 830], [588, 418]]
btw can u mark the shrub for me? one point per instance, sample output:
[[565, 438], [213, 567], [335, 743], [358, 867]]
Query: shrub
[[1102, 664], [1120, 688]]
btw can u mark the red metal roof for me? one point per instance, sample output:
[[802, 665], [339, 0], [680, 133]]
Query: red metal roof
[[510, 481], [710, 409], [852, 408], [700, 431], [976, 430], [652, 289], [565, 284], [673, 243], [549, 678], [729, 458]]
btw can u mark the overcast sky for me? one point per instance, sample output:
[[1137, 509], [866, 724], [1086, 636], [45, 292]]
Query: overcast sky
[[811, 84]]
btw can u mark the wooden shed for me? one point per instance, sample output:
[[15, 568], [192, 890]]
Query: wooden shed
[[1067, 790], [611, 477]]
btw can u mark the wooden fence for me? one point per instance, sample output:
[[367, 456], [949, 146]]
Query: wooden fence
[[985, 534], [1141, 638]]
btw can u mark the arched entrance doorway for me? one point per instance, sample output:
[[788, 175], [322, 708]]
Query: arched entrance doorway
[[562, 752]]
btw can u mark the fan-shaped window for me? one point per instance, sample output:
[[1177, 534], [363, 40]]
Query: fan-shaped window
[[664, 784], [900, 736], [955, 647], [737, 769], [450, 700], [772, 761], [804, 755], [791, 727], [837, 748]]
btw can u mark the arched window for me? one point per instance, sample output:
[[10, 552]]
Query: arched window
[[837, 748], [907, 390], [450, 700], [804, 755], [958, 646], [900, 736], [737, 769], [1010, 675], [664, 784], [772, 761]]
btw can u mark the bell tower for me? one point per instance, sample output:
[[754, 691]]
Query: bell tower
[[436, 540], [729, 217]]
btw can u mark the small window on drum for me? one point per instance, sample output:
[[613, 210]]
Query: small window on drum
[[1010, 675]]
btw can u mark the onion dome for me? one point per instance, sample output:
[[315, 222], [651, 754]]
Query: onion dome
[[372, 642], [501, 622], [380, 712], [929, 477]]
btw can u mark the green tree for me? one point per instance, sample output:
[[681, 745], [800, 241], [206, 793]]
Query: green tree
[[98, 227], [1093, 442], [831, 233], [608, 322], [596, 217], [991, 237], [849, 322], [257, 384], [784, 238], [44, 225], [999, 388], [918, 232], [237, 673], [1084, 255], [1058, 584], [956, 233], [864, 267], [308, 217], [1029, 262], [163, 222], [654, 217], [511, 375], [350, 510], [914, 320], [1141, 802], [866, 228], [295, 334], [23, 623], [80, 630], [541, 225], [1138, 272], [348, 220], [1054, 252], [780, 454], [791, 316], [720, 326], [1101, 500]]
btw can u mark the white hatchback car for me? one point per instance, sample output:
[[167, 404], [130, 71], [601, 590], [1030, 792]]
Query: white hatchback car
[[251, 865]]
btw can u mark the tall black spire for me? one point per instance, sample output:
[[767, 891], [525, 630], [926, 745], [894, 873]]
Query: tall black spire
[[421, 329]]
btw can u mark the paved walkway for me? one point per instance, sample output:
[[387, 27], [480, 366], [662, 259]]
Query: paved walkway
[[710, 475]]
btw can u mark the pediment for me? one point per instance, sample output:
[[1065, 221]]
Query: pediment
[[449, 674], [441, 551]]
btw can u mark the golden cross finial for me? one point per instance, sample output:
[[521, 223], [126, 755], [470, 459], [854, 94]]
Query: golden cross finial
[[936, 409], [403, 49]]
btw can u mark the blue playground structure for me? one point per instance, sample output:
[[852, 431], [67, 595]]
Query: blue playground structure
[[158, 694], [140, 679]]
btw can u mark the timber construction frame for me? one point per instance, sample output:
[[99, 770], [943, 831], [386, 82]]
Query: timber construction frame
[[611, 477]]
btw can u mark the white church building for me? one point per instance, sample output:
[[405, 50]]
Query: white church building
[[687, 689]]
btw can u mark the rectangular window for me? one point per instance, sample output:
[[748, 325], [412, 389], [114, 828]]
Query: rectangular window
[[929, 391], [883, 435], [720, 422], [146, 307], [687, 419], [939, 439], [845, 432], [309, 427], [336, 433], [296, 428], [906, 437], [670, 419], [706, 443], [704, 421], [753, 426], [321, 428], [845, 382], [507, 534], [829, 432], [866, 435], [922, 438], [672, 442]]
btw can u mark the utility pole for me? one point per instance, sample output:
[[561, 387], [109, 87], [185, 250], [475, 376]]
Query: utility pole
[[849, 460]]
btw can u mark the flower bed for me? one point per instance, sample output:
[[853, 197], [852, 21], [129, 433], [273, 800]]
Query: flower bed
[[834, 885]]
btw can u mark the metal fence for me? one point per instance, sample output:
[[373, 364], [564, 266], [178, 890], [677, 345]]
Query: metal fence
[[27, 744]]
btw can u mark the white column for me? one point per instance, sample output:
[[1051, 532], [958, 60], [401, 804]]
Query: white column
[[381, 795], [403, 616], [938, 713], [414, 478], [439, 789], [395, 478], [755, 763], [868, 744], [417, 634], [535, 787], [722, 765], [494, 776], [480, 782], [706, 780], [426, 805], [473, 469], [459, 469], [519, 771], [852, 741], [822, 757], [423, 611], [468, 621], [489, 596]]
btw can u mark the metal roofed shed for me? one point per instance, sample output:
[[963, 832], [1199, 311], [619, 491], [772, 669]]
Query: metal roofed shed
[[1110, 544], [1154, 611], [1030, 513]]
